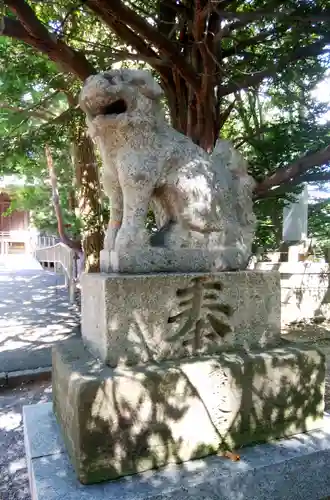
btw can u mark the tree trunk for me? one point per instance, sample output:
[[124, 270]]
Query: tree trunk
[[89, 198], [195, 110], [193, 114], [75, 245], [201, 54]]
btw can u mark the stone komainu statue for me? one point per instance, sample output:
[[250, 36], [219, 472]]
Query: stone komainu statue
[[201, 201]]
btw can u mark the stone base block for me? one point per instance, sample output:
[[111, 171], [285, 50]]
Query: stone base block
[[159, 259], [153, 317], [117, 422], [295, 469]]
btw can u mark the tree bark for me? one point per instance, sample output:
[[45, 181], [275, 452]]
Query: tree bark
[[88, 197], [185, 47], [29, 29]]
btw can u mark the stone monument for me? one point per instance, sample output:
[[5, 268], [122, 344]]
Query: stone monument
[[181, 355], [295, 228], [295, 218]]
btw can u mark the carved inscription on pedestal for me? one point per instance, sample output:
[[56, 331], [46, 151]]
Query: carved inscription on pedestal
[[201, 314]]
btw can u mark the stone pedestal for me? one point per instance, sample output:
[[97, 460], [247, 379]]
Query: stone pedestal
[[161, 259], [140, 318], [173, 367], [117, 422], [294, 251]]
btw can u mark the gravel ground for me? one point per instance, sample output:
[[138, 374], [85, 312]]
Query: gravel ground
[[13, 474]]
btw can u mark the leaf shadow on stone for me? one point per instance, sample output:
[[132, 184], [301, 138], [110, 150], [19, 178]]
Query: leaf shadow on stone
[[130, 420], [305, 292]]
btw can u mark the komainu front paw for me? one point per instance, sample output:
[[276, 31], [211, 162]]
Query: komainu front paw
[[109, 240]]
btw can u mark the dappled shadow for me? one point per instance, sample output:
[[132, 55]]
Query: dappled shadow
[[13, 474], [139, 319], [129, 420], [34, 313], [306, 294], [305, 289], [56, 475], [325, 302]]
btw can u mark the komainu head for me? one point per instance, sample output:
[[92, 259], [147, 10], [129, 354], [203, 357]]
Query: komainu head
[[116, 97]]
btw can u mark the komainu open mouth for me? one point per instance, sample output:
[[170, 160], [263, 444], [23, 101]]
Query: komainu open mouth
[[115, 108]]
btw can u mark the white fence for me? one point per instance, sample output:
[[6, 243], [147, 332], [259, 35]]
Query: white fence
[[24, 242], [46, 249], [46, 241], [305, 289], [64, 257]]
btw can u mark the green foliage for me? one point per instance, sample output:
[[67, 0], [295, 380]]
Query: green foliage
[[30, 104], [273, 123], [37, 199], [319, 223], [272, 129]]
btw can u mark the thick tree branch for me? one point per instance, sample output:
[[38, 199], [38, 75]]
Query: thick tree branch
[[296, 170], [28, 19], [131, 38], [122, 55], [29, 29], [249, 42], [241, 19], [224, 115], [166, 20], [178, 7], [36, 113], [116, 10], [299, 53], [291, 186], [247, 17], [38, 110], [311, 177], [61, 119]]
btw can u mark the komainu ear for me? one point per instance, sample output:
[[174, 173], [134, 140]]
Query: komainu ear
[[147, 84]]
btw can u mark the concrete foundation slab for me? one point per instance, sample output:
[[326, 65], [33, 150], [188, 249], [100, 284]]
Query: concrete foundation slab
[[295, 469], [142, 318], [117, 422]]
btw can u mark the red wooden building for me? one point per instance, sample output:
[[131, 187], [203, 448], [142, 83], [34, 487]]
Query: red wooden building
[[13, 227]]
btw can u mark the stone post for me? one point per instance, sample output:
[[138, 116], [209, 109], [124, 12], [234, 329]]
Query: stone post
[[295, 226], [295, 218]]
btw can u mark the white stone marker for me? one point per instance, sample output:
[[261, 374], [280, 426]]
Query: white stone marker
[[295, 218]]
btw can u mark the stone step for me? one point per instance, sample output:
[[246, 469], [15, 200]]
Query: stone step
[[295, 469]]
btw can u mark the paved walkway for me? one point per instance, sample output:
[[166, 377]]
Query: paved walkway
[[34, 313]]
